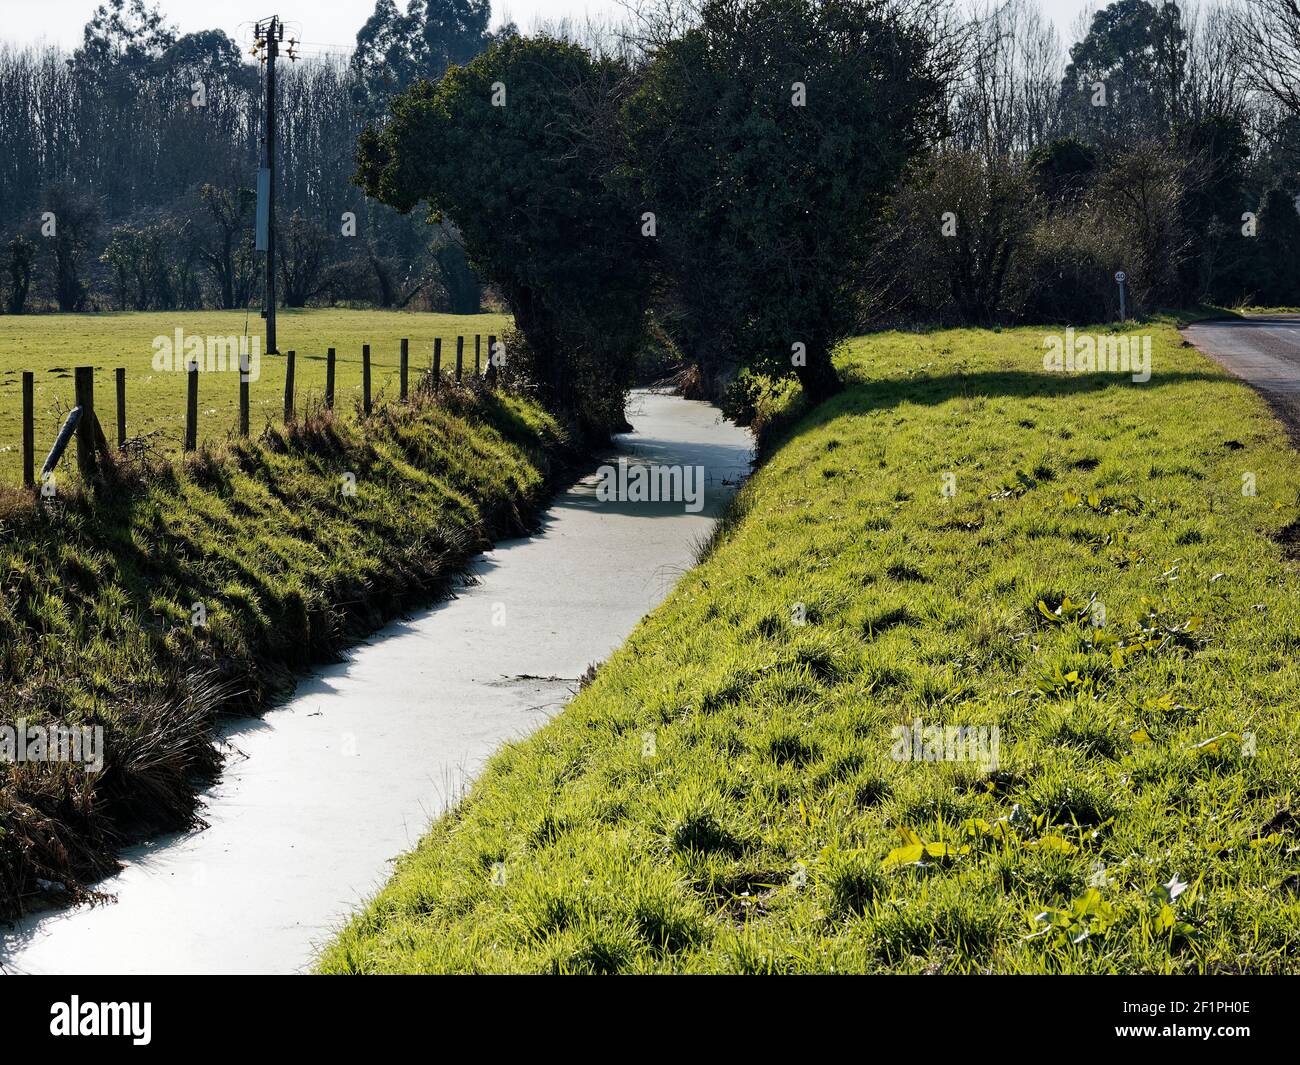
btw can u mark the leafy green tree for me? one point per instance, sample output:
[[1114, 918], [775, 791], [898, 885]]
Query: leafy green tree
[[76, 218], [228, 225], [383, 64], [140, 255], [125, 254], [1125, 78], [464, 293], [509, 148], [1278, 165], [127, 35], [396, 48], [763, 142], [1061, 170], [22, 260], [1277, 266], [1215, 149]]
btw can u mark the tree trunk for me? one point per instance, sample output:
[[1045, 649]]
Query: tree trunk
[[818, 377]]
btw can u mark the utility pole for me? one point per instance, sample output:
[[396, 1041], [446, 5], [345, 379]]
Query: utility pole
[[269, 33]]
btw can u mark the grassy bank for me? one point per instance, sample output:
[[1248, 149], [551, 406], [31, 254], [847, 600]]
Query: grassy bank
[[728, 795], [200, 585], [51, 345]]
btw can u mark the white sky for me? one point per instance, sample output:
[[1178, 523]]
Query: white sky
[[327, 22]]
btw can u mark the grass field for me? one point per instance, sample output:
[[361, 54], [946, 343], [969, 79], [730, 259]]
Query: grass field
[[730, 793], [185, 588], [51, 345]]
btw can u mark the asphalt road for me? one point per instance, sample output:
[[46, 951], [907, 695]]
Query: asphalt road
[[1264, 351]]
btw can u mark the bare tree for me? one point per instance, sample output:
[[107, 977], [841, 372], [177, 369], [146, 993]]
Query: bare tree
[[1215, 84], [1007, 100], [1268, 32]]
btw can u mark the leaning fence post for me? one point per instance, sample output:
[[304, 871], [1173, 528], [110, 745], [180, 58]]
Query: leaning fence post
[[405, 355], [84, 384], [437, 362], [460, 357], [61, 441], [120, 374], [192, 406], [29, 428], [288, 387], [365, 378], [329, 378]]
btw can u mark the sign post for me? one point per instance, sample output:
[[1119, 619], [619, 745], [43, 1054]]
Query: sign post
[[1120, 278]]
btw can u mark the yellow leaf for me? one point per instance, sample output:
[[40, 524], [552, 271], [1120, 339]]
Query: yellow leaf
[[1054, 843], [904, 855]]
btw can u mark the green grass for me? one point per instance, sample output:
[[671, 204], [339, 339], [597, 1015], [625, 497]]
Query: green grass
[[51, 345], [99, 597], [723, 796]]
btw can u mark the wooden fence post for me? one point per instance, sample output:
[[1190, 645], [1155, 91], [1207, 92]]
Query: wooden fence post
[[478, 339], [120, 374], [288, 386], [192, 407], [329, 378], [405, 355], [243, 393], [29, 428], [460, 357], [437, 362], [84, 384], [365, 378], [490, 375]]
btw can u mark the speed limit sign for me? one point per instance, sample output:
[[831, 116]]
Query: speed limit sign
[[1120, 276]]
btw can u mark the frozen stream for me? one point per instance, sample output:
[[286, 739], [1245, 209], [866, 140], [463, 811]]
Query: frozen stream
[[319, 796]]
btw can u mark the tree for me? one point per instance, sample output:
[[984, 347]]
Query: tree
[[149, 272], [1279, 163], [228, 212], [1277, 266], [1142, 194], [1124, 80], [1062, 170], [464, 293], [22, 259], [1216, 82], [383, 64], [1269, 36], [1008, 99], [75, 219], [125, 34], [764, 142], [1216, 150], [302, 247], [395, 49], [127, 254], [508, 147], [963, 217], [1169, 62]]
